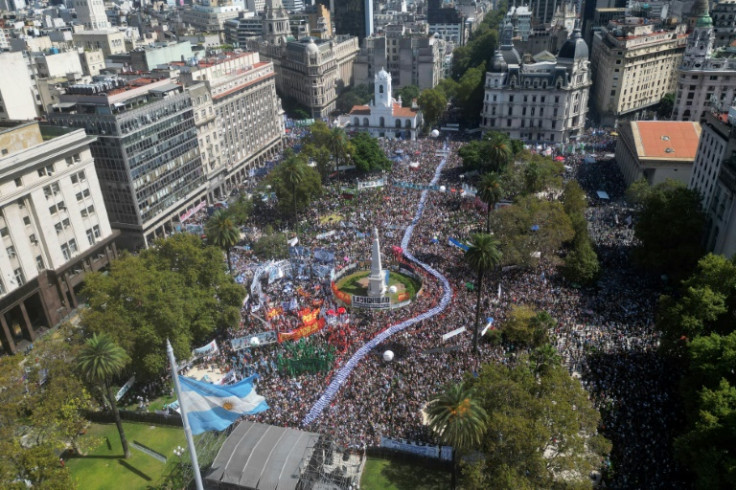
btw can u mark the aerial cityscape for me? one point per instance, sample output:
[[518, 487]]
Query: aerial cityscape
[[367, 244]]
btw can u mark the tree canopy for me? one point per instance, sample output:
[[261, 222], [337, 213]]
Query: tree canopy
[[668, 225], [433, 103], [407, 93], [295, 183], [541, 430], [367, 154], [178, 289]]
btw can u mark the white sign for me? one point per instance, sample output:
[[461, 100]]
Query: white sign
[[380, 302], [451, 334]]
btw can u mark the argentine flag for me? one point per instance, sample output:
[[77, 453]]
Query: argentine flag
[[213, 407]]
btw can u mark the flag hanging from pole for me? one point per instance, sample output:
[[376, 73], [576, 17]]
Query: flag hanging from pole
[[213, 407]]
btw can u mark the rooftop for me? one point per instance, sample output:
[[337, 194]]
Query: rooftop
[[671, 140]]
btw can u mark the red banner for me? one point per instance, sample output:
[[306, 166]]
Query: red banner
[[310, 316], [304, 331]]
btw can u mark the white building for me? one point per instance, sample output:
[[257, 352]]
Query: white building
[[707, 77], [53, 226], [91, 13], [17, 99], [543, 101], [384, 117]]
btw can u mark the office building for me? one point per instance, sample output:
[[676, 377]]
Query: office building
[[635, 64], [351, 17], [53, 227], [91, 14], [446, 22], [146, 152], [17, 91], [241, 106]]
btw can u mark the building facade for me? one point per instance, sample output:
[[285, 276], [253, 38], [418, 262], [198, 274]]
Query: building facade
[[543, 101], [412, 59], [657, 150], [313, 71], [707, 77], [384, 117], [351, 17], [53, 227], [242, 107], [17, 98], [91, 14], [634, 64], [146, 153]]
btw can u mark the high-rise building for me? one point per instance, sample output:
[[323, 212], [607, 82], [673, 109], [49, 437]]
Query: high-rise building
[[146, 152], [446, 22], [91, 13], [241, 105], [351, 17], [276, 28], [53, 227], [635, 64]]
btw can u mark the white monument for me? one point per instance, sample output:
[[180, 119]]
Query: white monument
[[377, 279]]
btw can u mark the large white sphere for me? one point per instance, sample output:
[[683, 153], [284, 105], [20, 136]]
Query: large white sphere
[[434, 133], [443, 188], [392, 289], [388, 356], [255, 342]]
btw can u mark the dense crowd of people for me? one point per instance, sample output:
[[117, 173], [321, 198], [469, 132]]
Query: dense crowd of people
[[604, 333]]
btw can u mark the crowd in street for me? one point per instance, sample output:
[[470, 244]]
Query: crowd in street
[[604, 333]]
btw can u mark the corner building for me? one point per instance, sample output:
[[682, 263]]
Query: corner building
[[146, 152]]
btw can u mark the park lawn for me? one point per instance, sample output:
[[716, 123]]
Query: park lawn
[[385, 474], [104, 467]]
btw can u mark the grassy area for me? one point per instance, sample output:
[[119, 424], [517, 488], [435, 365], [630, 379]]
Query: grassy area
[[349, 284], [155, 404], [105, 468], [384, 474]]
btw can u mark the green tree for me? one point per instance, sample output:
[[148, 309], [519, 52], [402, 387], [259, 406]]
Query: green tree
[[491, 154], [222, 232], [470, 93], [669, 228], [271, 245], [178, 289], [526, 327], [665, 106], [295, 183], [581, 263], [638, 192], [483, 257], [321, 156], [408, 93], [541, 425], [340, 145], [241, 210], [352, 96], [100, 362], [433, 103], [531, 226], [574, 200], [367, 154], [490, 192]]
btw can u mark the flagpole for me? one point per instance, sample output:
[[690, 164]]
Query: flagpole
[[187, 429]]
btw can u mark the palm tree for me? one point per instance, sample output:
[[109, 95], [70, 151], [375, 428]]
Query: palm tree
[[458, 418], [490, 192], [295, 173], [483, 256], [99, 361], [499, 153], [222, 232], [545, 356]]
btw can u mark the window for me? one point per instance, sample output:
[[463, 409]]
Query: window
[[11, 251], [66, 223], [75, 179], [2, 287], [19, 277], [90, 237], [58, 227], [3, 232], [73, 245], [65, 251], [96, 230], [77, 159], [19, 182], [69, 161], [39, 263], [26, 220], [52, 209], [32, 238]]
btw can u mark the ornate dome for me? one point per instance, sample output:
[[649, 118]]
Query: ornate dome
[[574, 48], [498, 64]]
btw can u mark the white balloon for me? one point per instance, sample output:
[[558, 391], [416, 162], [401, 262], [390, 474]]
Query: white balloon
[[392, 289], [255, 342], [435, 133], [388, 356], [443, 188]]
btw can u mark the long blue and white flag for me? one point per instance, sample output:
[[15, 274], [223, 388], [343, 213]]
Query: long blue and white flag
[[213, 407]]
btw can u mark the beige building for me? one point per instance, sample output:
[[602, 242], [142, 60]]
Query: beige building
[[109, 42], [657, 150], [208, 18], [53, 227], [17, 90], [634, 66], [313, 71], [411, 58], [248, 124]]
